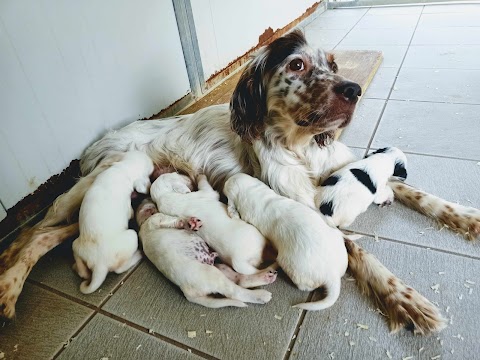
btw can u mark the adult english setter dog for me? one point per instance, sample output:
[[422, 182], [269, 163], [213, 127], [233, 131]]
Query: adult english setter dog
[[279, 128]]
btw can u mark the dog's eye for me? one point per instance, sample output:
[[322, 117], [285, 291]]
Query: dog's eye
[[296, 65]]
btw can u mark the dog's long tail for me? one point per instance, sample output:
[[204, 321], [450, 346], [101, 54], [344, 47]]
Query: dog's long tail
[[99, 274], [333, 292]]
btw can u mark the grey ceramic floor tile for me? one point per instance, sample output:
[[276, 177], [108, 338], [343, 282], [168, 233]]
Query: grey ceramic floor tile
[[443, 56], [431, 128], [452, 8], [454, 180], [392, 55], [331, 331], [394, 21], [323, 37], [55, 270], [376, 37], [329, 22], [107, 338], [256, 332], [447, 20], [447, 36], [440, 85], [395, 10], [339, 13], [43, 324], [360, 130], [381, 84]]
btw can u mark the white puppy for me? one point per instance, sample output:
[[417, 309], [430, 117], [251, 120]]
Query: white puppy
[[105, 243], [349, 191], [310, 252], [237, 243], [184, 258]]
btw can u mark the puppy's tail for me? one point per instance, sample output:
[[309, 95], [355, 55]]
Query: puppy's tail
[[99, 273], [333, 292]]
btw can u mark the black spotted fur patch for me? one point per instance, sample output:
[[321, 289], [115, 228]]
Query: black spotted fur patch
[[326, 208], [365, 179], [330, 181]]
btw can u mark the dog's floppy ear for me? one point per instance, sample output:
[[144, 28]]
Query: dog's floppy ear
[[331, 62], [248, 105], [400, 171]]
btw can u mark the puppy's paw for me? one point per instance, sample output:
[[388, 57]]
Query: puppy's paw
[[262, 296], [386, 203], [194, 224], [270, 276]]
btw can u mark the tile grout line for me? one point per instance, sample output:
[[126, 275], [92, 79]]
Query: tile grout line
[[449, 252], [98, 310], [121, 283], [394, 82], [349, 31], [156, 335], [293, 340], [423, 101]]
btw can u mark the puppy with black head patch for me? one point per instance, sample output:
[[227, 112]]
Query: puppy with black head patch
[[349, 191]]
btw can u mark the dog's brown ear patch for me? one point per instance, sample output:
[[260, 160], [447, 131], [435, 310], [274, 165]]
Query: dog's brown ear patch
[[331, 62]]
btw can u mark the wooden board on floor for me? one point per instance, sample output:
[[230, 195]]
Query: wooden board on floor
[[356, 65]]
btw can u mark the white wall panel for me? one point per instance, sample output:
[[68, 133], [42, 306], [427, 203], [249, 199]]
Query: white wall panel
[[226, 30], [70, 70]]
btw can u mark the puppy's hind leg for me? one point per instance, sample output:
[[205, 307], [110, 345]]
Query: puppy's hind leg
[[214, 303], [80, 268], [264, 277]]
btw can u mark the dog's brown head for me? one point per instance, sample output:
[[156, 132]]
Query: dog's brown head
[[292, 89]]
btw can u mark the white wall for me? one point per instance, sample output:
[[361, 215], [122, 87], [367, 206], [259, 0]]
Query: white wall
[[70, 70], [226, 32]]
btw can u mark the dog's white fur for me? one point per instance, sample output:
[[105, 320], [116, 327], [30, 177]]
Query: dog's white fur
[[342, 196], [237, 243], [105, 243], [175, 253], [310, 252]]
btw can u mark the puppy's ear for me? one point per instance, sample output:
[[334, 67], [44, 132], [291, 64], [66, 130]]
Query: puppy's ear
[[181, 188], [331, 62], [400, 171], [248, 105], [142, 186]]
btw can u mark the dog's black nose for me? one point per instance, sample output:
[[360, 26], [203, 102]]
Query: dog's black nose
[[350, 90]]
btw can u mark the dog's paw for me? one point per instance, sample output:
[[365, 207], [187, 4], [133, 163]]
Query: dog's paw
[[261, 296], [194, 224], [462, 219], [11, 284], [406, 308]]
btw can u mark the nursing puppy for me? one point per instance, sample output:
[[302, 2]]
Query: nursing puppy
[[349, 191], [237, 243], [185, 259], [310, 252], [105, 243]]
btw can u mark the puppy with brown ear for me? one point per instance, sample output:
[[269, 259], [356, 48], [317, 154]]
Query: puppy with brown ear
[[237, 243], [105, 243], [311, 253], [349, 191]]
